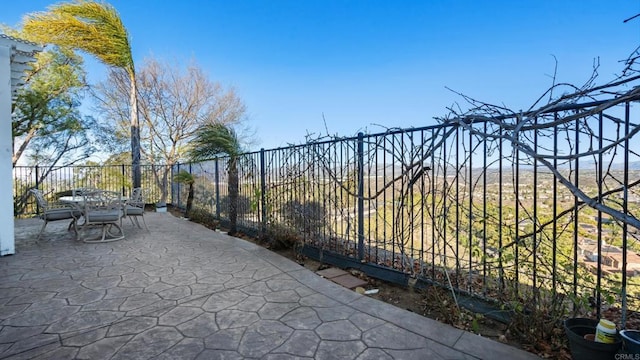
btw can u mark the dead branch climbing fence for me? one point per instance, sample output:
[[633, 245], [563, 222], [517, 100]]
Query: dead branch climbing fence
[[506, 207], [520, 206]]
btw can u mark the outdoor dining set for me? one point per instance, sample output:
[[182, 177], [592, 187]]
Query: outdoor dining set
[[90, 209]]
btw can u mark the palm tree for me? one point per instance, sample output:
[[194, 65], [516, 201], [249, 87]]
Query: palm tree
[[95, 28], [214, 140], [186, 178]]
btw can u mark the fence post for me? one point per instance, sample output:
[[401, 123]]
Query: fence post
[[263, 196], [37, 177], [123, 193], [194, 185], [217, 178], [179, 185], [172, 185], [360, 196], [37, 187]]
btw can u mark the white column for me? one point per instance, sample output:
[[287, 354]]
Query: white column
[[7, 240]]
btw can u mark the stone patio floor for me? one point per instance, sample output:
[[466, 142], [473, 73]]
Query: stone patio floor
[[182, 291]]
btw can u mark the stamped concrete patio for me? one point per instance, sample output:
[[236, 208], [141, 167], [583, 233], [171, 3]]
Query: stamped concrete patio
[[185, 292]]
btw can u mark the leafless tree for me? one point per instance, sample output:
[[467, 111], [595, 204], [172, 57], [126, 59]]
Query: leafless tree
[[173, 103]]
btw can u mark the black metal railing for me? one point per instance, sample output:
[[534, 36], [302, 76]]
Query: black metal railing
[[57, 180], [501, 208], [495, 208]]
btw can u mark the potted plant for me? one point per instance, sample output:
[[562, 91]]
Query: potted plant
[[583, 348], [161, 206]]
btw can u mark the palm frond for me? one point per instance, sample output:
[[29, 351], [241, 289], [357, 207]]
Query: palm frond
[[184, 177], [214, 140], [91, 26]]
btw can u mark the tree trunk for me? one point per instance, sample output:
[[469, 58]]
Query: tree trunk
[[189, 201], [135, 133], [16, 156], [233, 196]]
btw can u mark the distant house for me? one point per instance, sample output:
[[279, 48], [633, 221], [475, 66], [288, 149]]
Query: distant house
[[589, 249], [610, 258], [524, 223], [589, 227], [632, 198], [605, 219]]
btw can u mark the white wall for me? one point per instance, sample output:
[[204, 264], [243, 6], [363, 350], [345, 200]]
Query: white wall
[[7, 240]]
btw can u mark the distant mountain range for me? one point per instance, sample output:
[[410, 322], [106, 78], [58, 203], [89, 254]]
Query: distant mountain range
[[584, 166], [634, 165]]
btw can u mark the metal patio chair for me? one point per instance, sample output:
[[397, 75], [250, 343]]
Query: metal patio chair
[[54, 211], [103, 209], [134, 207]]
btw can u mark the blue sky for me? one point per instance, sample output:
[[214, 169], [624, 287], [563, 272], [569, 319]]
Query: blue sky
[[369, 64]]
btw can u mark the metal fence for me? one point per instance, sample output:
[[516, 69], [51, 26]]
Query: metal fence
[[495, 208], [54, 181], [499, 208]]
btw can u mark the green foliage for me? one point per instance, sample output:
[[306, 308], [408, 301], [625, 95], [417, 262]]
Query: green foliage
[[47, 126], [475, 325], [204, 217], [96, 28], [256, 199], [184, 177], [220, 139], [215, 140], [47, 121], [91, 26], [120, 158]]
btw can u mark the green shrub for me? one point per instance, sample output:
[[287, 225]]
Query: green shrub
[[204, 217]]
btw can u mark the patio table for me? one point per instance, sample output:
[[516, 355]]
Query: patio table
[[75, 200], [79, 200]]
